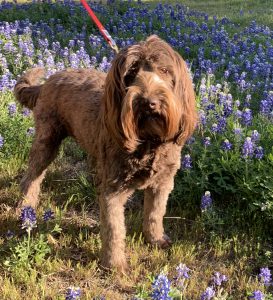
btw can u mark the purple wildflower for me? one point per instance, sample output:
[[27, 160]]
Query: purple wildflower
[[208, 294], [238, 114], [187, 162], [28, 218], [202, 117], [259, 152], [247, 117], [30, 131], [190, 141], [237, 131], [214, 127], [203, 88], [48, 215], [206, 201], [248, 148], [73, 293], [219, 278], [237, 103], [265, 275], [1, 141], [226, 145], [182, 271], [104, 66], [25, 112], [247, 101], [206, 141], [9, 234], [222, 123], [161, 288], [255, 136], [257, 295], [12, 109]]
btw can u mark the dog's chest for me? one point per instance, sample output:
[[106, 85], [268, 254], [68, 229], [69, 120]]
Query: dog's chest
[[150, 168]]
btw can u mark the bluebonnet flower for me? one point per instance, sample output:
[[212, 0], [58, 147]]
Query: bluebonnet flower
[[248, 148], [9, 234], [202, 117], [259, 152], [73, 293], [255, 136], [12, 109], [104, 66], [30, 131], [28, 218], [257, 295], [208, 294], [206, 201], [26, 112], [48, 215], [161, 288], [186, 162], [247, 101], [206, 141], [247, 117], [228, 109], [214, 127], [182, 271], [238, 114], [226, 74], [222, 123], [190, 141], [219, 278], [226, 145], [237, 131], [203, 87], [265, 275], [237, 103], [1, 141]]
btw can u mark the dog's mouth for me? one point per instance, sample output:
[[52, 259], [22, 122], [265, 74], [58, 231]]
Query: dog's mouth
[[151, 125]]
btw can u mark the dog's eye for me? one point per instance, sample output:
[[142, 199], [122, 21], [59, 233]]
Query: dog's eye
[[164, 70], [130, 76]]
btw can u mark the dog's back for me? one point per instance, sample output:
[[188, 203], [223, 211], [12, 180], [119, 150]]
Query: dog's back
[[70, 99]]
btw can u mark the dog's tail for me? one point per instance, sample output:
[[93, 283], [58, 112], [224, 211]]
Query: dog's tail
[[27, 88]]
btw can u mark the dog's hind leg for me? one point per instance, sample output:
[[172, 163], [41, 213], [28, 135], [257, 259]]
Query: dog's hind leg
[[155, 202], [43, 151]]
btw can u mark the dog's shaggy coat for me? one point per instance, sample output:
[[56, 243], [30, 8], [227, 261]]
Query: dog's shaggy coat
[[133, 121]]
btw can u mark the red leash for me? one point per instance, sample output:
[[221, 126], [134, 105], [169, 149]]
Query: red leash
[[103, 31]]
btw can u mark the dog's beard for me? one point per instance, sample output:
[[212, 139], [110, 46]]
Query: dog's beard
[[151, 125]]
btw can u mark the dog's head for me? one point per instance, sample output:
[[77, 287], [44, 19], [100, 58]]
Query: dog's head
[[149, 96]]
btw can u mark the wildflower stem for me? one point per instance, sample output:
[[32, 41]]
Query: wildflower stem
[[28, 241]]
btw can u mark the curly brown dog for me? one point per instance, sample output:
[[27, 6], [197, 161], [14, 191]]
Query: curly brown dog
[[133, 121]]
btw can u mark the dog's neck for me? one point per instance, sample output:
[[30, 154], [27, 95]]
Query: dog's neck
[[148, 147]]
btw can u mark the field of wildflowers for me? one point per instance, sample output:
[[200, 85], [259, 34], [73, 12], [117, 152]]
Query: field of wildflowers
[[220, 214]]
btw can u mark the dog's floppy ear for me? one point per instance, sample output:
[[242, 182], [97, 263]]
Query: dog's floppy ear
[[184, 91], [113, 106]]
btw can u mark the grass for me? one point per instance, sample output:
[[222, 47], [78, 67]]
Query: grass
[[224, 242]]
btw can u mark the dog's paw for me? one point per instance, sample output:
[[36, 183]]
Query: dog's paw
[[119, 265], [163, 242]]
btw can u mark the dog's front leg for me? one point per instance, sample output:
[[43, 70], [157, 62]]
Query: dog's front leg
[[155, 202], [113, 230]]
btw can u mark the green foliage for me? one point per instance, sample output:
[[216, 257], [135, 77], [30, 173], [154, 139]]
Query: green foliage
[[14, 128], [28, 254]]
